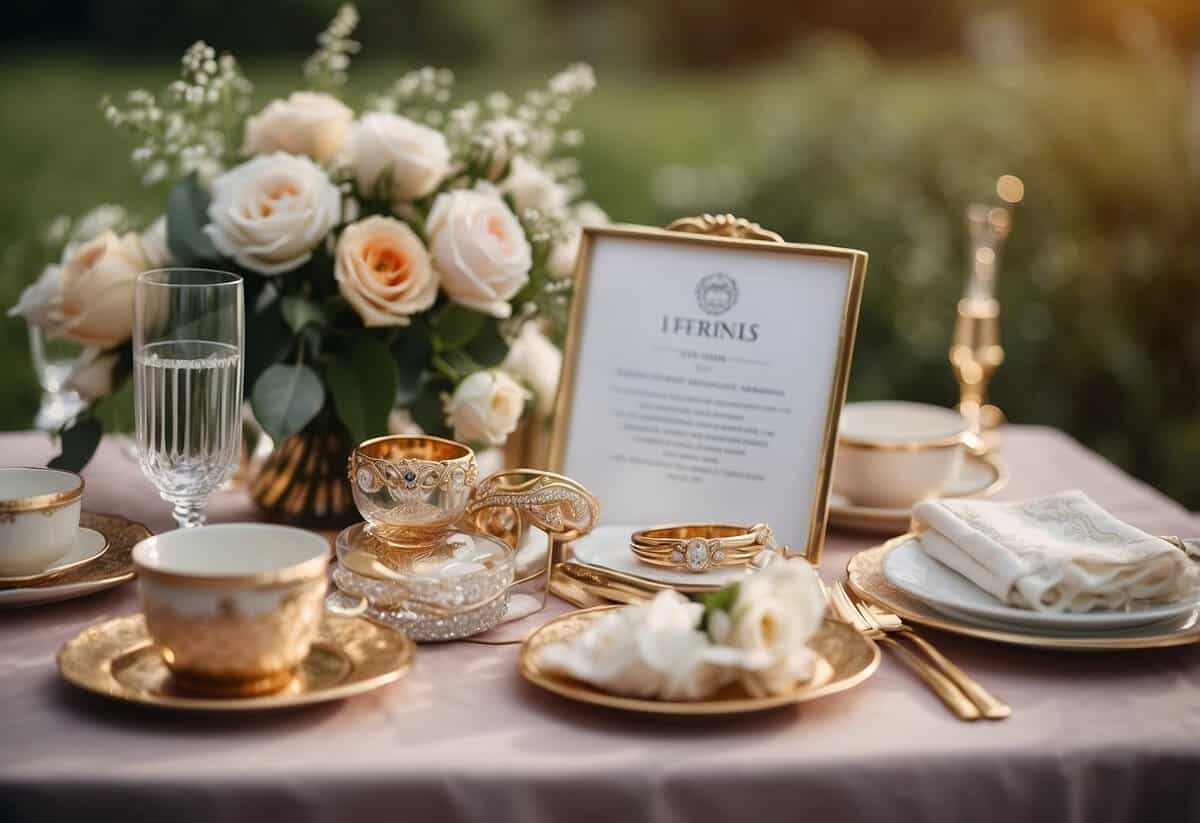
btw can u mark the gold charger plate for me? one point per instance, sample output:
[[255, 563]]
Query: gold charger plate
[[865, 575], [847, 659], [350, 656], [886, 522], [111, 568]]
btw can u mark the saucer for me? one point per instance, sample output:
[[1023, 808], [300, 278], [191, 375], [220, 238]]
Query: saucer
[[89, 544], [847, 658], [110, 568], [866, 578], [980, 476], [607, 549], [349, 656]]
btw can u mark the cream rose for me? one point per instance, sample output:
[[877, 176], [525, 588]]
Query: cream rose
[[88, 298], [776, 613], [154, 244], [92, 375], [532, 187], [383, 271], [535, 360], [269, 213], [309, 123], [562, 258], [413, 157], [486, 408], [479, 249]]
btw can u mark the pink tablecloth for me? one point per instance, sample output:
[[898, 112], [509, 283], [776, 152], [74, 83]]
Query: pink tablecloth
[[1093, 737]]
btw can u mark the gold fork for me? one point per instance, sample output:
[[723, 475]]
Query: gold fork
[[990, 706], [942, 686]]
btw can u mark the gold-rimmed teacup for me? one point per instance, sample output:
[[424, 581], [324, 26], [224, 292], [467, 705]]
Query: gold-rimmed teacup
[[412, 490], [39, 517], [233, 607]]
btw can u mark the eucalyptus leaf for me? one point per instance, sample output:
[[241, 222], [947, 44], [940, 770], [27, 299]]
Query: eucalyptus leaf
[[286, 398], [300, 312], [489, 348], [410, 352], [456, 365], [454, 326], [363, 385], [268, 341], [187, 215], [427, 409], [80, 439]]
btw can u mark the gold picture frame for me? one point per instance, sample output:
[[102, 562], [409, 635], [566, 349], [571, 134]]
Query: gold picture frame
[[721, 232]]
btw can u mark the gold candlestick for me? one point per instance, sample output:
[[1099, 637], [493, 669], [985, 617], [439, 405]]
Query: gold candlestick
[[975, 352]]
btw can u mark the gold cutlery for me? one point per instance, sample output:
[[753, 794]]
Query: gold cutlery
[[942, 686], [599, 585], [990, 706]]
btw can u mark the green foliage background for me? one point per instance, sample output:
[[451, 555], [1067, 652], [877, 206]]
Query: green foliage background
[[1100, 284]]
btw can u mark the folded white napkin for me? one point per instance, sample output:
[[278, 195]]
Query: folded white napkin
[[1060, 553]]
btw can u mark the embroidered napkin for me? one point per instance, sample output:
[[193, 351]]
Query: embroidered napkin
[[1059, 553]]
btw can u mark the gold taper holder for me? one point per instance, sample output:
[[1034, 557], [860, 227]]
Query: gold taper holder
[[975, 352]]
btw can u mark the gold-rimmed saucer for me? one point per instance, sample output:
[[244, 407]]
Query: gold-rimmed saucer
[[86, 547], [349, 656], [111, 568], [846, 659], [981, 476], [866, 578]]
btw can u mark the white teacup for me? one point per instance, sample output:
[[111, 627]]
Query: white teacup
[[233, 607], [39, 517], [890, 454]]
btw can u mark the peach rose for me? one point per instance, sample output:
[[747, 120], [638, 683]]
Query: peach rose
[[383, 271], [308, 122]]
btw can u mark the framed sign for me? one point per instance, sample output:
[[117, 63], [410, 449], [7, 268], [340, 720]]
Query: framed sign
[[703, 377]]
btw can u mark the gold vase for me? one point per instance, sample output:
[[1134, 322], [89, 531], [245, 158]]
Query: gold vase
[[303, 480]]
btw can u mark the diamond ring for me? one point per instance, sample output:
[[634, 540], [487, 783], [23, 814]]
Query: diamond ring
[[698, 547]]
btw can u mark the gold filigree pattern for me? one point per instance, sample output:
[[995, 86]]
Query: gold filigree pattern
[[551, 502], [724, 225]]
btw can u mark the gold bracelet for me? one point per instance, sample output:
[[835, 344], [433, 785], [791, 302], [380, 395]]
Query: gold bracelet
[[698, 547]]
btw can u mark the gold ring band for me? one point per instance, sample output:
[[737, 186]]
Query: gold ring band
[[698, 547]]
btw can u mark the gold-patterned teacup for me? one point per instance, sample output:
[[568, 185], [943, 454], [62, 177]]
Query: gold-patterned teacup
[[233, 607], [39, 517], [412, 490]]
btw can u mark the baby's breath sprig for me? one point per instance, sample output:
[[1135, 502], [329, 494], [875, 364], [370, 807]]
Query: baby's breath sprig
[[422, 95], [328, 67], [543, 110], [192, 124]]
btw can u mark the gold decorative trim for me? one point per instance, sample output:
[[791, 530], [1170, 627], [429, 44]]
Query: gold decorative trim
[[949, 442], [43, 502], [767, 242], [724, 225]]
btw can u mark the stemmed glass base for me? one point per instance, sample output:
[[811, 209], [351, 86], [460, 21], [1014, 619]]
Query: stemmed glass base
[[188, 513]]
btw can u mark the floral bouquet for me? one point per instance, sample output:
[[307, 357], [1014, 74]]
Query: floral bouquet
[[404, 267]]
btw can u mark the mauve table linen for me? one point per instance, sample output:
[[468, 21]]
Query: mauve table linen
[[1093, 736]]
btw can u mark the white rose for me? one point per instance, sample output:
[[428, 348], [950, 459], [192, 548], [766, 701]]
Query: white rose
[[105, 217], [562, 258], [309, 123], [401, 424], [479, 249], [606, 655], [269, 213], [776, 613], [532, 187], [383, 271], [154, 244], [88, 298], [486, 408], [537, 361], [92, 375], [415, 158]]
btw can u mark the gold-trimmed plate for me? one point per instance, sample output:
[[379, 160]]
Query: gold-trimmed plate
[[847, 659], [866, 578], [984, 475], [86, 547], [111, 568], [350, 656]]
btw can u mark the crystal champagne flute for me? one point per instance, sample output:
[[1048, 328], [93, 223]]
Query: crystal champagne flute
[[187, 346]]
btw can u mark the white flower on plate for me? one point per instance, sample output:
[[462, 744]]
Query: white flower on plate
[[532, 187], [486, 407], [479, 249], [88, 298], [92, 374], [154, 243], [538, 362], [563, 257], [269, 213], [383, 271], [309, 123], [775, 615], [414, 158]]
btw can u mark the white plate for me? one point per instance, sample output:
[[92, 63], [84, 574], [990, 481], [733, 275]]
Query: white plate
[[909, 569], [89, 544], [979, 477], [608, 548]]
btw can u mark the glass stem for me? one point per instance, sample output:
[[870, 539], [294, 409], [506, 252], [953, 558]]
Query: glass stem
[[189, 512]]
